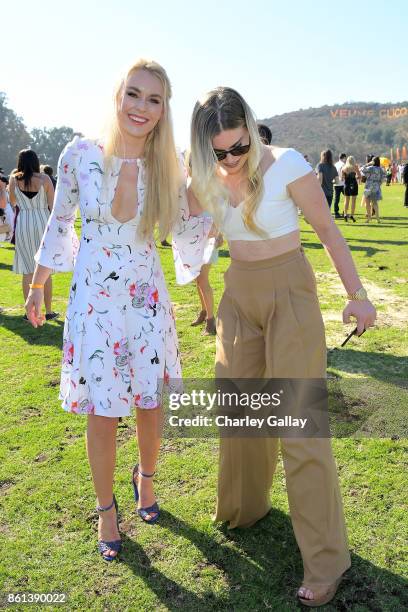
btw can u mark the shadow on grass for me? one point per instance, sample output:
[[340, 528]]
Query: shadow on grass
[[369, 251], [49, 335], [383, 223], [380, 241], [262, 569], [4, 266], [401, 218], [380, 366]]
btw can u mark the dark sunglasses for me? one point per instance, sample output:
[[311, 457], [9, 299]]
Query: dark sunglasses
[[353, 333], [235, 151]]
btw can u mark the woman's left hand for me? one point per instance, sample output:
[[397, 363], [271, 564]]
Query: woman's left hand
[[363, 311], [219, 241], [213, 231]]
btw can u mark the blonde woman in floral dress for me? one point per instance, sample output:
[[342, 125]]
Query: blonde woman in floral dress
[[120, 341]]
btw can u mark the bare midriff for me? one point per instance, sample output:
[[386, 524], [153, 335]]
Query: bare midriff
[[254, 250]]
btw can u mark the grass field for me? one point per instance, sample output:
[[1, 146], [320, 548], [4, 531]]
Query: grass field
[[47, 522]]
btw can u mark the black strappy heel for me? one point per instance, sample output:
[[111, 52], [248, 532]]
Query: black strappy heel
[[143, 512], [116, 545]]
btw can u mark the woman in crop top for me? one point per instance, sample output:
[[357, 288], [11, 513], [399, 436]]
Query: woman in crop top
[[269, 323]]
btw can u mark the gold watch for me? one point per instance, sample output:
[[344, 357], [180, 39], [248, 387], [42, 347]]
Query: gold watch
[[359, 295]]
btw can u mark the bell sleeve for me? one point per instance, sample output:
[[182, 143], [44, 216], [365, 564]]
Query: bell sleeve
[[59, 244], [192, 246]]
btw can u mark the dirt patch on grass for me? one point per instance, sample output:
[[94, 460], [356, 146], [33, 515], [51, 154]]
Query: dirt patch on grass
[[392, 312], [28, 412], [6, 484]]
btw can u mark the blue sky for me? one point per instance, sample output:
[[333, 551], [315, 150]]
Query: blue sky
[[61, 60]]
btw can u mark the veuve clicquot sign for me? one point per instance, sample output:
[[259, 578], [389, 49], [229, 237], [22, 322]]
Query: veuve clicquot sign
[[393, 112]]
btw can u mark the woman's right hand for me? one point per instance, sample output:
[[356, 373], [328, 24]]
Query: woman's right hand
[[33, 307]]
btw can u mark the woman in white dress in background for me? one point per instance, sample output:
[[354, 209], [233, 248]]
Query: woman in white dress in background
[[120, 341], [33, 193]]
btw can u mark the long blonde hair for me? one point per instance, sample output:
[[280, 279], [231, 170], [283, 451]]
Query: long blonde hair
[[350, 165], [163, 171], [221, 109]]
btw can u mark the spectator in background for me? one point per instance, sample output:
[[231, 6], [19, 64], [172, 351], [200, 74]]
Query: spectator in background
[[350, 173], [50, 172], [400, 172], [204, 289], [205, 292], [339, 184], [405, 181], [364, 179], [3, 203], [375, 175], [265, 133], [327, 172], [3, 194], [394, 170], [389, 176], [33, 191], [6, 212], [369, 158]]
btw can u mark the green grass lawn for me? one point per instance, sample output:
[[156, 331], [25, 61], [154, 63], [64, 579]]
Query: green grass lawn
[[47, 521]]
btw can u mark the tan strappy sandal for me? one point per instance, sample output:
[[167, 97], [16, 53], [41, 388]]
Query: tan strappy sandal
[[327, 596]]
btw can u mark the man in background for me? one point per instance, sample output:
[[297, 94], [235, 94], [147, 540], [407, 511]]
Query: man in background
[[48, 170], [265, 133], [405, 181], [339, 185]]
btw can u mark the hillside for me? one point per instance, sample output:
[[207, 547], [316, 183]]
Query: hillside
[[357, 129]]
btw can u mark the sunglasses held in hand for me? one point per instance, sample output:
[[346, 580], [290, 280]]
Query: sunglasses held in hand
[[352, 333]]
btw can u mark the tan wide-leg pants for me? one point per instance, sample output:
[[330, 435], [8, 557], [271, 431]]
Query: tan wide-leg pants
[[269, 325]]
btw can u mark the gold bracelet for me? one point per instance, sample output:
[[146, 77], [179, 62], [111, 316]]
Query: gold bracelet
[[35, 286], [359, 295]]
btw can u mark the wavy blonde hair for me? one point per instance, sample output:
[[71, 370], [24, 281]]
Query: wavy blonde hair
[[163, 172], [221, 109], [350, 165]]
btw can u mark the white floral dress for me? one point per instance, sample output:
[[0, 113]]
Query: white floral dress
[[120, 343]]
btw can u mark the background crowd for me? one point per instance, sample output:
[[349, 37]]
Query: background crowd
[[26, 198]]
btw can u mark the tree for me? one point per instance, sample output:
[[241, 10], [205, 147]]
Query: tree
[[389, 137], [49, 142], [375, 135], [13, 135]]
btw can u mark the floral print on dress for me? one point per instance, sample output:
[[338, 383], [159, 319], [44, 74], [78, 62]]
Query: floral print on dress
[[375, 175], [120, 344]]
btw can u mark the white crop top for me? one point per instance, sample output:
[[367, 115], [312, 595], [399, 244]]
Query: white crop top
[[277, 214]]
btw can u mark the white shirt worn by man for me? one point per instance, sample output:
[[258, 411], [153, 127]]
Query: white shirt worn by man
[[338, 180]]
